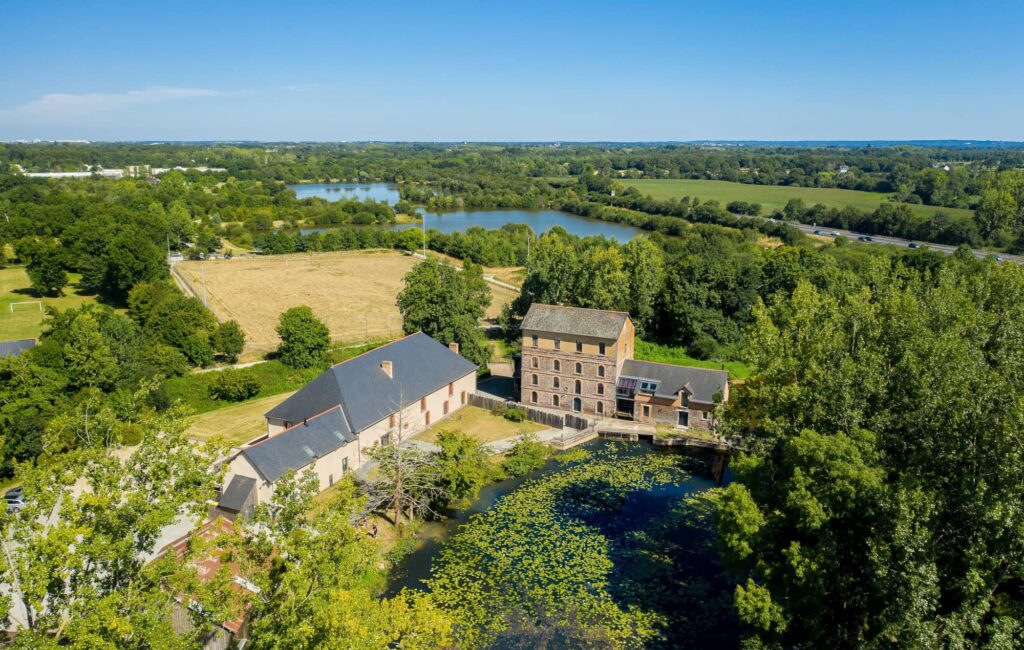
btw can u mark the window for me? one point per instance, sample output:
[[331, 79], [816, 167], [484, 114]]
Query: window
[[533, 362], [647, 411], [558, 343], [600, 408], [703, 415], [579, 345], [451, 389], [426, 418], [558, 365], [533, 397], [391, 421], [535, 340], [600, 389], [423, 404], [555, 382], [554, 400], [579, 368], [533, 379], [344, 465], [600, 371], [446, 407], [578, 387], [463, 398], [600, 349], [385, 439]]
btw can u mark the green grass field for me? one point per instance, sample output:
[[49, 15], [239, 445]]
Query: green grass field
[[26, 321], [774, 197]]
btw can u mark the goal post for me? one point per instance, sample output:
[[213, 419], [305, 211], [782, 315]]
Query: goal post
[[38, 303]]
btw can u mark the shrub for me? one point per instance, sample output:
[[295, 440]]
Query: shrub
[[234, 386], [515, 414], [526, 455]]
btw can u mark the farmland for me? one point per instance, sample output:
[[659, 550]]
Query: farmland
[[26, 320], [353, 292], [774, 197]]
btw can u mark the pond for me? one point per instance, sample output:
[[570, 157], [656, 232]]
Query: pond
[[538, 220], [613, 531], [380, 192]]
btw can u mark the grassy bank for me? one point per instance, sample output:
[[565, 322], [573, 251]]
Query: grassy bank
[[647, 351], [774, 197], [274, 378]]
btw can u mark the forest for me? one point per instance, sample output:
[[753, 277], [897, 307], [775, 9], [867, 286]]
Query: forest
[[876, 500]]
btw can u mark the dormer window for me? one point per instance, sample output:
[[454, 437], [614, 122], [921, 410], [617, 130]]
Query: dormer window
[[579, 345]]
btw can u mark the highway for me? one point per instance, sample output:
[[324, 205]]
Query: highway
[[811, 229]]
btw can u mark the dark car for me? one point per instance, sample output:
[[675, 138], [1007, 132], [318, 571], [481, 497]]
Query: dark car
[[864, 238], [914, 244], [818, 232]]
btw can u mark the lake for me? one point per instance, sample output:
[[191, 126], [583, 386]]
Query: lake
[[380, 192], [538, 220]]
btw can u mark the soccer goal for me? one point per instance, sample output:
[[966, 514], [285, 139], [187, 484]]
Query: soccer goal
[[37, 303]]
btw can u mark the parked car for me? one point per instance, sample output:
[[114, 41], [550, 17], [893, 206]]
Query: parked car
[[15, 498], [914, 244], [999, 259]]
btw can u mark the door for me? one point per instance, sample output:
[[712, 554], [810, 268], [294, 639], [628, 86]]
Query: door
[[684, 418], [577, 405]]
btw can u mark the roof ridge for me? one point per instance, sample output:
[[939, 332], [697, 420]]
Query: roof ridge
[[296, 425], [606, 311]]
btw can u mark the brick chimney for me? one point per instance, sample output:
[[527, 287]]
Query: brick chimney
[[454, 347], [386, 367]]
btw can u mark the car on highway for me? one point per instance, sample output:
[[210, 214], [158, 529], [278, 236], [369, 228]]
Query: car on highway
[[818, 232], [15, 498], [999, 259], [834, 233], [913, 244], [865, 238]]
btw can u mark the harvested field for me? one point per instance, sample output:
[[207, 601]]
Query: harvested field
[[353, 292]]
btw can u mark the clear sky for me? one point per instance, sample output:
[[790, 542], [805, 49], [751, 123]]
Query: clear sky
[[589, 70]]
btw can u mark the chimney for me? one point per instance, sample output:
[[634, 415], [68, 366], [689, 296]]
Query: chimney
[[454, 347], [386, 367]]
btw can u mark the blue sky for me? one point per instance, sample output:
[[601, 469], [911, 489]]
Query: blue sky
[[512, 71]]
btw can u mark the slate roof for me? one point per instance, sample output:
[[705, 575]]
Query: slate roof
[[299, 445], [702, 383], [575, 321], [238, 492], [14, 348], [420, 366]]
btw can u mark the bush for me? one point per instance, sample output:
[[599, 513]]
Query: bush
[[234, 386], [515, 415], [704, 347], [526, 455]]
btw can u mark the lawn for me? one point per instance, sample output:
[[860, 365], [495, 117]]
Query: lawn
[[26, 321], [481, 424], [774, 197], [353, 292], [238, 423], [647, 351]]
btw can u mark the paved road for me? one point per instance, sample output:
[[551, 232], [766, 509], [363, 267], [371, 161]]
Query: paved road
[[811, 229]]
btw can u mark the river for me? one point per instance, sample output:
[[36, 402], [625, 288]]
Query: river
[[661, 549]]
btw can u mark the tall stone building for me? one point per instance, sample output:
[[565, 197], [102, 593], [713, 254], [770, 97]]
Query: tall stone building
[[572, 357], [581, 360]]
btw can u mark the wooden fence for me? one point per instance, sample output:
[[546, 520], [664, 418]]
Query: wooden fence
[[548, 419]]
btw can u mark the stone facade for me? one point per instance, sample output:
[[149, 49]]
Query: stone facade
[[573, 373]]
